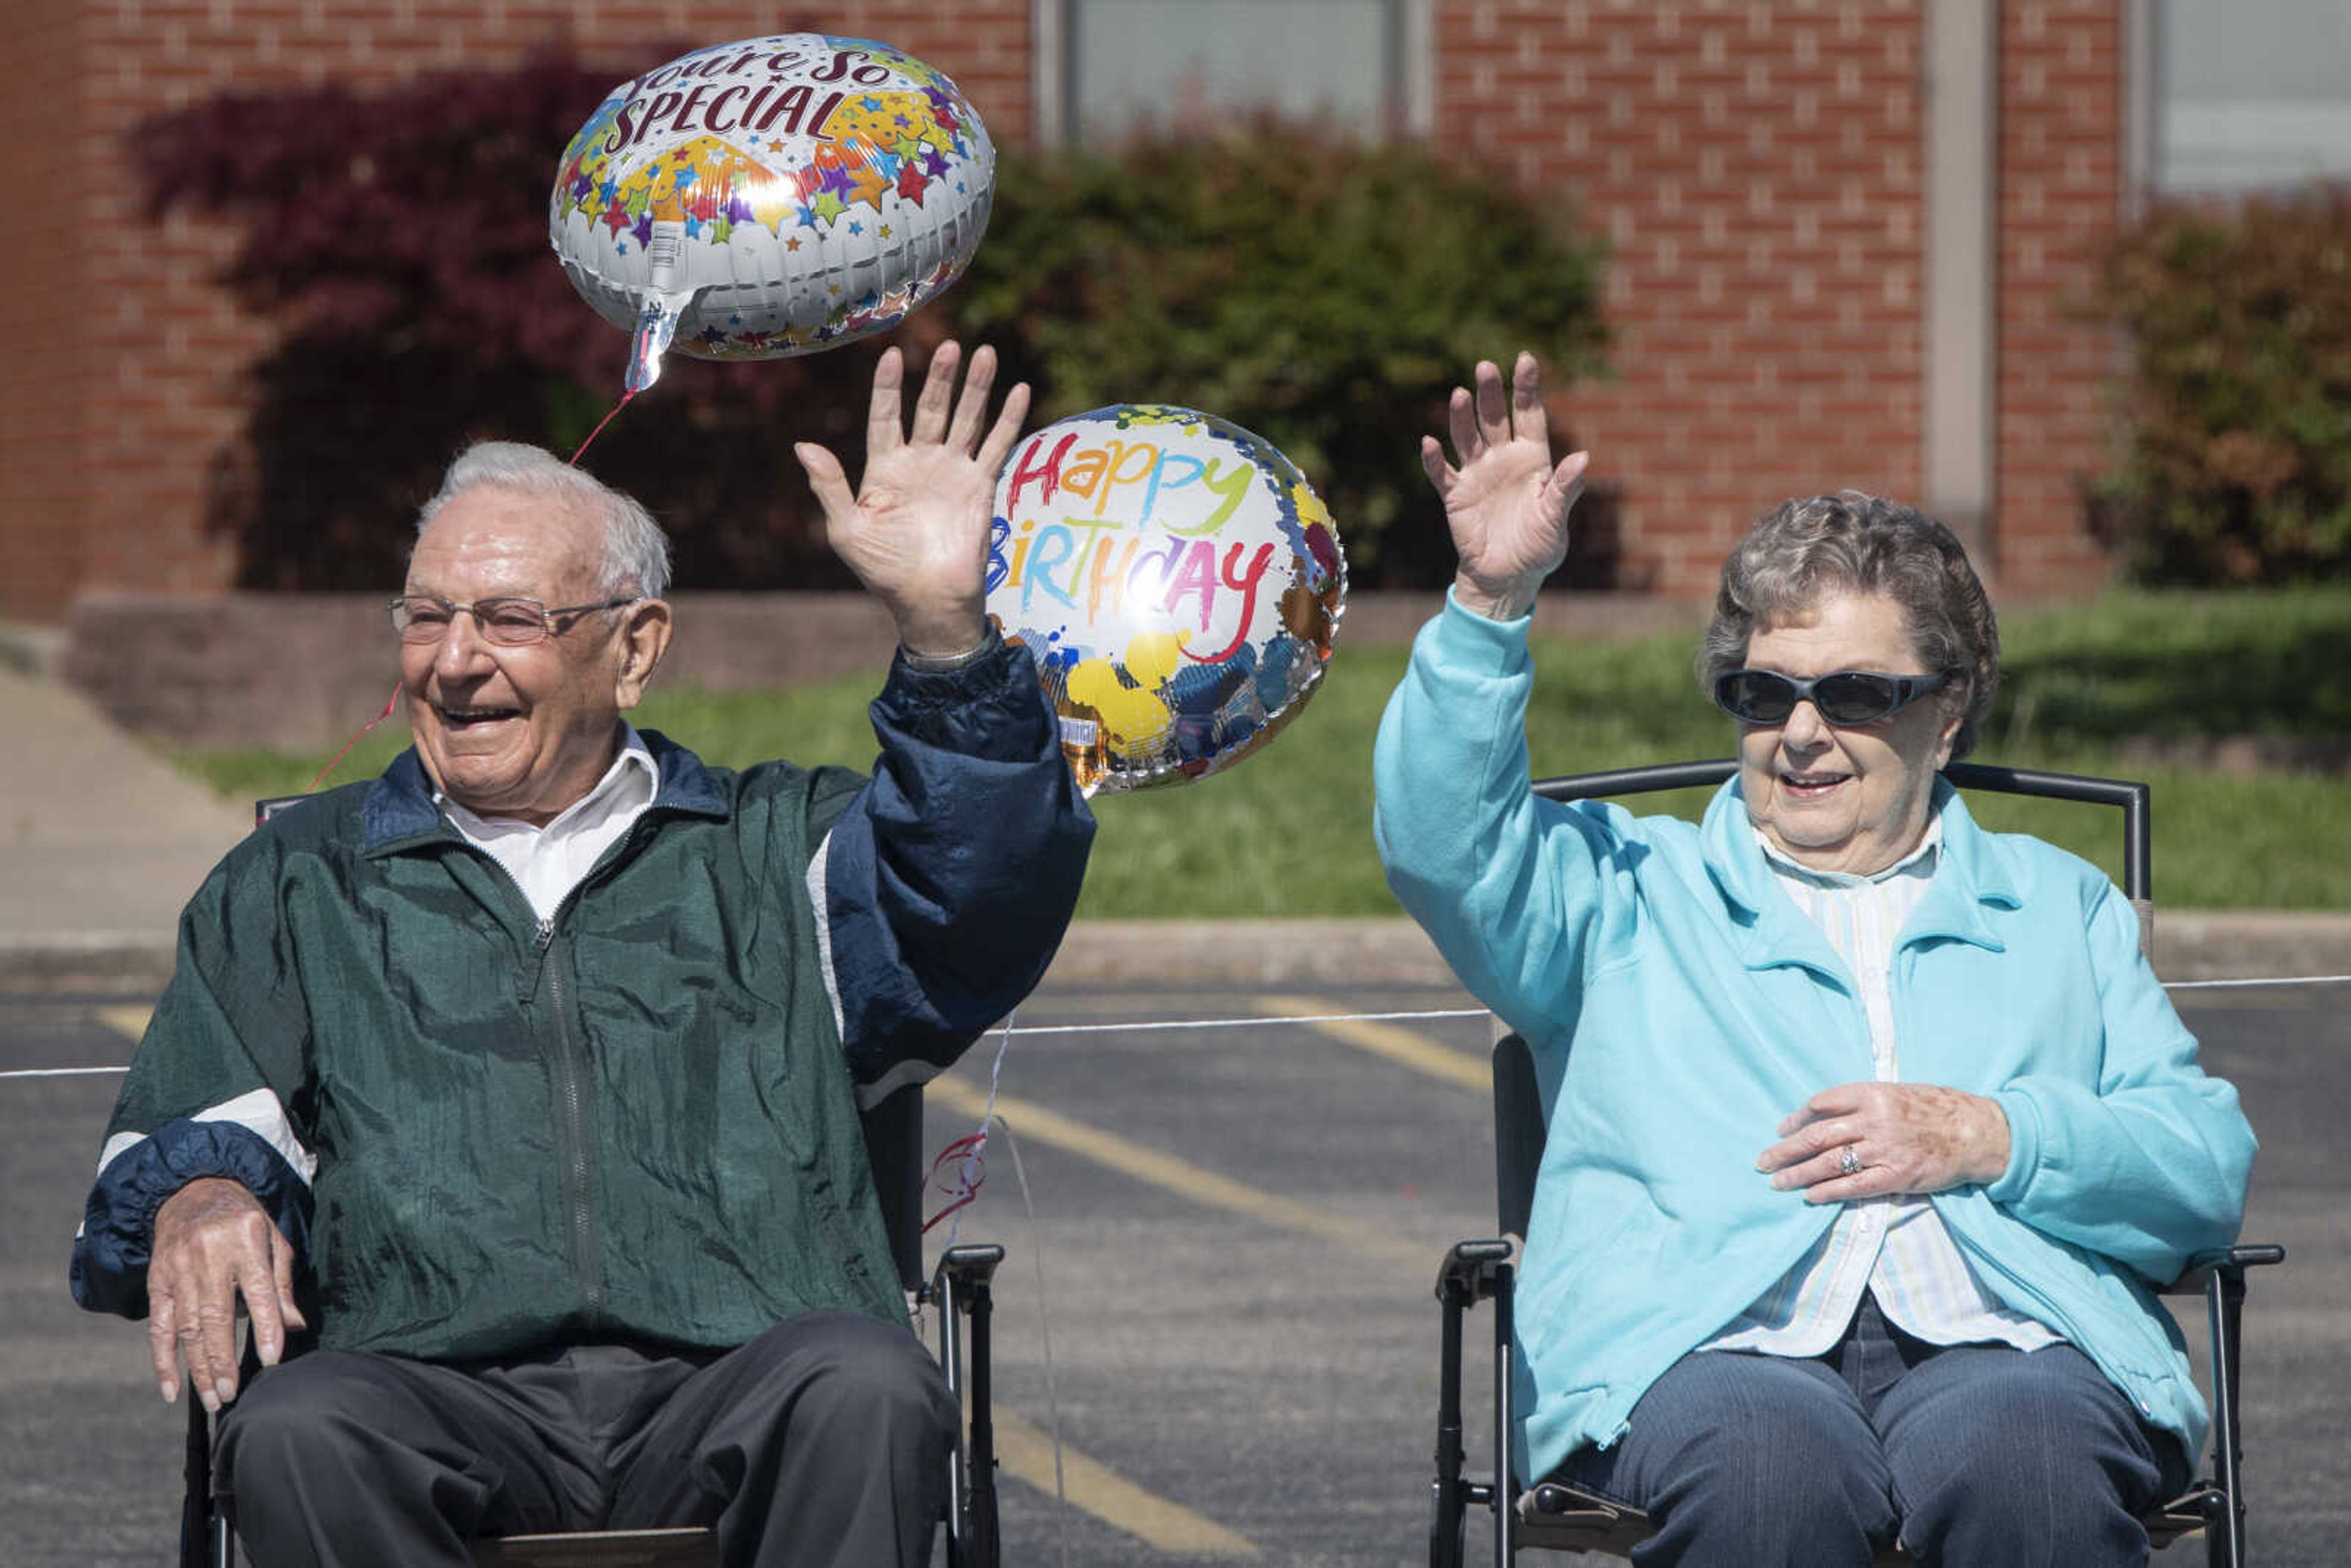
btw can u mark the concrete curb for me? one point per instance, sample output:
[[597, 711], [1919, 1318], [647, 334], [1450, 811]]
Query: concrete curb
[[2226, 945], [2190, 945], [1341, 956], [98, 963]]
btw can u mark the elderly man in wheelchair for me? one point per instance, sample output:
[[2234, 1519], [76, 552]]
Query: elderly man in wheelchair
[[1868, 1129], [521, 1088]]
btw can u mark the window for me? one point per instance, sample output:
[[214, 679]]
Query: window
[[1133, 65], [2251, 95]]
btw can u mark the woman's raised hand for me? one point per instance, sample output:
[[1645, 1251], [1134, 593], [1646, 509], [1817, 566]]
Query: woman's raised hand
[[1504, 500]]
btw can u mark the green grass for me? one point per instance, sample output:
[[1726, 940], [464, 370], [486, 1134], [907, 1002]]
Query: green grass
[[1288, 833]]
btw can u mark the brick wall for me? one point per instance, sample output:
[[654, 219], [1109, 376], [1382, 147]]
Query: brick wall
[[122, 381], [1757, 169], [41, 370], [2061, 188]]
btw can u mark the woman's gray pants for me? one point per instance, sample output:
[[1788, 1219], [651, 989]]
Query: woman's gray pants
[[1977, 1456]]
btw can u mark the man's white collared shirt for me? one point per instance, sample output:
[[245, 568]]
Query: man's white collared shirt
[[548, 863]]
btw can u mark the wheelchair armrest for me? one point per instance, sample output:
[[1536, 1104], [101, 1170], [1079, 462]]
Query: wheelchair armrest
[[1550, 1500], [971, 1264], [1471, 1271], [2228, 1260]]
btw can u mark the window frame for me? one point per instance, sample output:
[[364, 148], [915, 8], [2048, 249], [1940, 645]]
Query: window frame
[[2145, 43], [1407, 92]]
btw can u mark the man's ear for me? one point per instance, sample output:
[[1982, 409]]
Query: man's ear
[[645, 637]]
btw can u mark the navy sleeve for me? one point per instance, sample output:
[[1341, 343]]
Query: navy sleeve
[[216, 1087], [951, 876], [112, 1253]]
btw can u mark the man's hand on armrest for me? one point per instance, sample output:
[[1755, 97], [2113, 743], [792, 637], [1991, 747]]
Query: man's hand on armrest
[[215, 1242]]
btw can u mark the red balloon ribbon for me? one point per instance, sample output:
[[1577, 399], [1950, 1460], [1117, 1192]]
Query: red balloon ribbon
[[600, 426], [974, 1146], [389, 703]]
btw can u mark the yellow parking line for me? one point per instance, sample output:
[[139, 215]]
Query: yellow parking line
[[126, 1020], [1401, 1046], [1026, 1450], [1180, 1177]]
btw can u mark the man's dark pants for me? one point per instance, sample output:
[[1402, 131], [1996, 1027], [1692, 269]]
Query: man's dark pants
[[823, 1441]]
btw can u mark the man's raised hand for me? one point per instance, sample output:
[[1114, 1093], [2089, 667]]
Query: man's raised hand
[[916, 529], [1506, 503]]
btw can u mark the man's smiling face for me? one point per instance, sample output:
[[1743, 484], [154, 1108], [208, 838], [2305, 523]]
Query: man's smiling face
[[514, 732]]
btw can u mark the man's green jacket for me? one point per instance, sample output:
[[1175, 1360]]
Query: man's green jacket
[[638, 1120]]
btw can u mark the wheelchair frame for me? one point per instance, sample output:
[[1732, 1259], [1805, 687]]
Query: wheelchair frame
[[1561, 1517]]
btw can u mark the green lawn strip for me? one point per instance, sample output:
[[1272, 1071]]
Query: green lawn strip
[[1288, 832], [246, 774], [2177, 664]]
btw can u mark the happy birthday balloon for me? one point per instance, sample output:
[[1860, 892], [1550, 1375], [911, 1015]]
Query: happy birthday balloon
[[771, 197], [1177, 582]]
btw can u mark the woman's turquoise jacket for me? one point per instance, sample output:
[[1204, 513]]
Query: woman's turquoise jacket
[[1679, 1005]]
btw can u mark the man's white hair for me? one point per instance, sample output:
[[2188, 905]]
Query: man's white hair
[[636, 551]]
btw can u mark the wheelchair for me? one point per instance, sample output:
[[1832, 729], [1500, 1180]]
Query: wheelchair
[[960, 1288], [1559, 1518]]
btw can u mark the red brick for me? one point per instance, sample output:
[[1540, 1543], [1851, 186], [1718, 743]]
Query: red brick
[[1732, 391]]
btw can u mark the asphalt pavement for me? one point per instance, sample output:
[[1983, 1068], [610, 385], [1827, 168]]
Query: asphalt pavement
[[1228, 1234]]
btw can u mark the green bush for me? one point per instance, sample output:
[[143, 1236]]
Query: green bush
[[1321, 294], [1324, 294], [2237, 466]]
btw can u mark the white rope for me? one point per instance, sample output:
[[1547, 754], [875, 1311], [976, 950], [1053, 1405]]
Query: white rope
[[62, 1072], [1162, 1024], [1178, 1025], [2296, 980]]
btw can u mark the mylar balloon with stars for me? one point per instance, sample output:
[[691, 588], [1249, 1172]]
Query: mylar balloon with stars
[[769, 197]]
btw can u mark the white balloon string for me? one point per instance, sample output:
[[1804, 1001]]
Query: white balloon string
[[1045, 1337]]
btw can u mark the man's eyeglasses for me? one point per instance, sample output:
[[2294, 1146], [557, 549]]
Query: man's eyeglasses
[[1842, 696], [509, 622]]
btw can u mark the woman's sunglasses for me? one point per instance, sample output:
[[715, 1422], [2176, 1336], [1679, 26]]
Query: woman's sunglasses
[[1842, 696]]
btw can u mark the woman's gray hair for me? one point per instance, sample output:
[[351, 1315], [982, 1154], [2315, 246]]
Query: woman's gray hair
[[1807, 551], [636, 551]]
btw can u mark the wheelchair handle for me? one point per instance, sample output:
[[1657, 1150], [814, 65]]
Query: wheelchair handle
[[2139, 875]]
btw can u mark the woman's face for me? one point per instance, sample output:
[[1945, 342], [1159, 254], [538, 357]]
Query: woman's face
[[1850, 799]]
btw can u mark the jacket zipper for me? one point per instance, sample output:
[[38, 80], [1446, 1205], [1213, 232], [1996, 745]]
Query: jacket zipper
[[570, 1068], [586, 1261], [587, 1252]]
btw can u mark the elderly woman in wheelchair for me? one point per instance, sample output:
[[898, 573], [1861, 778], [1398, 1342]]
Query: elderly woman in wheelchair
[[1868, 1129]]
